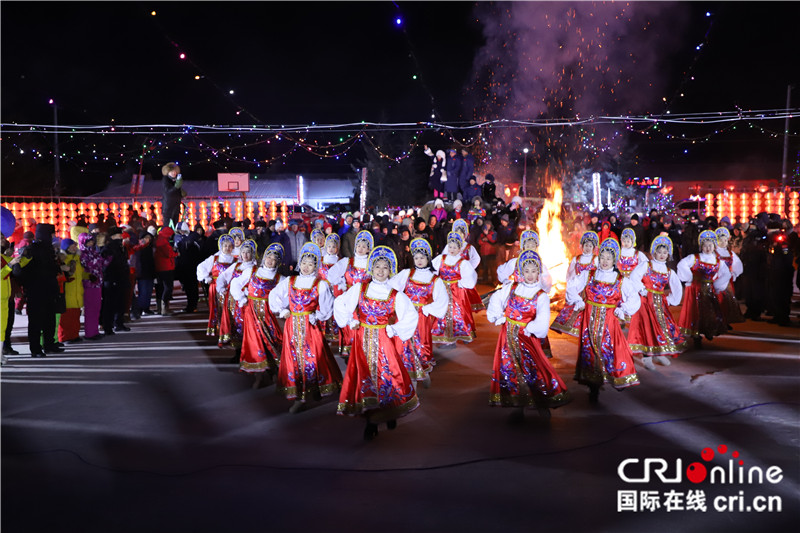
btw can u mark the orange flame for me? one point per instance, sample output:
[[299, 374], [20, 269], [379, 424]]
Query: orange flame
[[551, 241]]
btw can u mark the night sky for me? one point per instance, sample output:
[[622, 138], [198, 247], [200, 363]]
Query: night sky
[[300, 63]]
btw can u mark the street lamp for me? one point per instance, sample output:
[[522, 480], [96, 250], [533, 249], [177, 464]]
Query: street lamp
[[56, 160], [525, 174]]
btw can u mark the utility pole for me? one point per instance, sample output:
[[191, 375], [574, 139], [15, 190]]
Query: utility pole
[[56, 157], [784, 171]]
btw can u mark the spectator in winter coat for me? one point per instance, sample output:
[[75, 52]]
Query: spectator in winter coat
[[94, 264], [145, 266], [453, 166], [638, 230], [69, 326], [487, 247], [173, 193], [189, 256], [488, 190], [164, 256], [116, 278], [471, 190], [297, 238], [349, 238], [465, 174], [439, 211], [438, 175]]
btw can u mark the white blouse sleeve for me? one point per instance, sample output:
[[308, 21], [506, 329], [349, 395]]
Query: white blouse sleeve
[[325, 309], [538, 326], [336, 272], [239, 287], [631, 301], [685, 268], [638, 273], [474, 258], [571, 269], [204, 269], [224, 278], [469, 277], [723, 277], [279, 297], [497, 303], [437, 262], [545, 279], [345, 304], [505, 270], [441, 301], [675, 289], [399, 280], [407, 317], [737, 268], [575, 286]]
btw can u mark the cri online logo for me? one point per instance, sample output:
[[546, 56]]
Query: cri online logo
[[697, 472]]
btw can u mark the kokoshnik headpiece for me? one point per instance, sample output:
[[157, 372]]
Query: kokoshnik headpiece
[[249, 243], [528, 235], [367, 237], [610, 245], [223, 239], [722, 232], [707, 235], [310, 249], [237, 232], [332, 238], [528, 257], [628, 232], [461, 225], [317, 233], [421, 246], [383, 252], [455, 237], [275, 249], [590, 236], [661, 240]]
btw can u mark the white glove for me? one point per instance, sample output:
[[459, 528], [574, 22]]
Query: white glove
[[354, 324], [643, 292], [312, 319], [527, 330], [425, 311], [390, 332], [580, 305], [500, 321], [207, 280], [343, 287], [284, 313], [619, 313], [242, 301]]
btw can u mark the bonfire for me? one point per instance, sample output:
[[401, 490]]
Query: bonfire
[[552, 249]]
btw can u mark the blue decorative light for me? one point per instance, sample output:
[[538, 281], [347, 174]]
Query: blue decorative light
[[398, 21]]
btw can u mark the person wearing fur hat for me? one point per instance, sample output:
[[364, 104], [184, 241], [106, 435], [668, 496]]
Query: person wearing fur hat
[[69, 326], [705, 275], [438, 210], [307, 368], [172, 194], [653, 333], [261, 335], [459, 276], [437, 179], [377, 385], [429, 295], [521, 374], [207, 272], [604, 355]]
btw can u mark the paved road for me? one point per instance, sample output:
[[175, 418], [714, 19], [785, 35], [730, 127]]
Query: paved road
[[152, 431]]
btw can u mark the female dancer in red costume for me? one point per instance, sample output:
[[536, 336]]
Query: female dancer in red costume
[[604, 355], [377, 384], [705, 275], [208, 271], [307, 367], [346, 273], [235, 317], [458, 276], [261, 334], [566, 321], [329, 259], [727, 298], [469, 253], [653, 332], [521, 375], [429, 295]]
